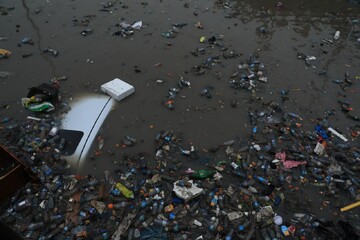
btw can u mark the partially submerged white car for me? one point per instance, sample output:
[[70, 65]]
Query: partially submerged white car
[[81, 124]]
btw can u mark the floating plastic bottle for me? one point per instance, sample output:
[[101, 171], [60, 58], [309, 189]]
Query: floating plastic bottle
[[229, 235], [22, 205], [161, 222], [261, 180], [126, 192], [214, 201], [243, 226], [120, 205]]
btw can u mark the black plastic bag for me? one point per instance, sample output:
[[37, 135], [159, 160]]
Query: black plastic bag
[[46, 91]]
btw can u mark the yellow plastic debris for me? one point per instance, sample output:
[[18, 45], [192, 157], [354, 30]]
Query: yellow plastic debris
[[202, 39], [126, 192], [4, 53], [351, 206]]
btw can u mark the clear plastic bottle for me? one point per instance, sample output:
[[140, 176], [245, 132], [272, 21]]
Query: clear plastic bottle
[[20, 206], [161, 222]]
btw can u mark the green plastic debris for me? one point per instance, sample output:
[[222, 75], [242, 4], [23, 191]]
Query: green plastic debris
[[202, 174], [167, 35], [35, 106]]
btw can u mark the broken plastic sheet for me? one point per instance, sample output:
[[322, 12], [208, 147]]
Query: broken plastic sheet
[[137, 25], [124, 225], [187, 193], [319, 149], [288, 163], [99, 206], [234, 215]]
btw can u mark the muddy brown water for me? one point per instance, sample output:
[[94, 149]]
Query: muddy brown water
[[89, 61]]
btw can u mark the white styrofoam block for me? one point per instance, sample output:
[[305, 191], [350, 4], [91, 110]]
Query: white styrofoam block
[[118, 89]]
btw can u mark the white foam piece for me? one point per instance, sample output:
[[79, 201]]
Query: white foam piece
[[118, 89]]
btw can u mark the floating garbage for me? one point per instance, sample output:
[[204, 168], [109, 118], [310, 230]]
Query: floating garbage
[[4, 74], [253, 186], [187, 191], [39, 98], [4, 53]]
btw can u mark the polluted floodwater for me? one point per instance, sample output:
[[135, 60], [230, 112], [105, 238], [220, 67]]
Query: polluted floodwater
[[172, 202], [286, 177]]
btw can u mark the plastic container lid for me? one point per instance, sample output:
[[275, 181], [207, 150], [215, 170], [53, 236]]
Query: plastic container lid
[[278, 220]]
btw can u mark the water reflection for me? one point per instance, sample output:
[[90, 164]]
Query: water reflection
[[302, 17]]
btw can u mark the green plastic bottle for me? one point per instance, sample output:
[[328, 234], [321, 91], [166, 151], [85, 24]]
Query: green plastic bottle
[[202, 174]]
